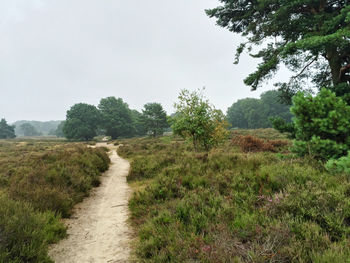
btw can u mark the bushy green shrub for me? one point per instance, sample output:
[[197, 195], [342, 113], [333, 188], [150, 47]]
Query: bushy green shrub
[[341, 165], [322, 125], [284, 127]]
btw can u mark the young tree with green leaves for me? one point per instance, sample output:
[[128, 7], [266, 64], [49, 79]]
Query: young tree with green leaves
[[117, 120], [154, 119], [198, 121], [82, 122], [312, 38], [6, 131]]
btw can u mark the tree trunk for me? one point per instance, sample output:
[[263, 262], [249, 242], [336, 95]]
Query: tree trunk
[[334, 62]]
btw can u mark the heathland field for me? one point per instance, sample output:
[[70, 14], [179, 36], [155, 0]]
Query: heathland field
[[249, 200], [39, 183]]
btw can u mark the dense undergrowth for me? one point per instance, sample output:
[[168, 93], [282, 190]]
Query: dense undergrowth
[[39, 183], [234, 206]]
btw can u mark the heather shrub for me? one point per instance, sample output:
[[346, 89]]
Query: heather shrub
[[266, 134], [26, 233], [249, 143], [40, 181], [65, 176], [233, 206]]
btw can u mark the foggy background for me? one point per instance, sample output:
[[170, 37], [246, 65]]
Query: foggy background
[[55, 53]]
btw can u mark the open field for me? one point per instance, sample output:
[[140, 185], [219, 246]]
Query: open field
[[238, 203], [40, 181]]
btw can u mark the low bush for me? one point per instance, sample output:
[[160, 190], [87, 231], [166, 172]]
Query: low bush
[[266, 134], [25, 233], [341, 165], [249, 143]]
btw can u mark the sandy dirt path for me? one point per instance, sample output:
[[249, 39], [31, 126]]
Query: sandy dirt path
[[98, 231]]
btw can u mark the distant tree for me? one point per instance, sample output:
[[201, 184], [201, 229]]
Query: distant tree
[[154, 118], [197, 121], [138, 124], [59, 131], [82, 121], [44, 127], [252, 113], [52, 132], [6, 131], [245, 113], [273, 107], [310, 37], [117, 120], [29, 130]]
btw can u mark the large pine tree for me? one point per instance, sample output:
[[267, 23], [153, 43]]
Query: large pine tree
[[310, 37]]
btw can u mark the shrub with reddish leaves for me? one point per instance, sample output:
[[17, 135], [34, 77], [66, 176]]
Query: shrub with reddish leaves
[[249, 143]]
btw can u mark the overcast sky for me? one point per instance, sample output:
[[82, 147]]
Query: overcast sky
[[55, 53]]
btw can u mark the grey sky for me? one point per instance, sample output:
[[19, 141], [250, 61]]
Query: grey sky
[[55, 53]]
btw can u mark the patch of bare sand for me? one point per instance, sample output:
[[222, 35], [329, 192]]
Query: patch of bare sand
[[98, 230]]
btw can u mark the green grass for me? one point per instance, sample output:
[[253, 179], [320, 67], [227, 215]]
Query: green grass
[[230, 206], [40, 181]]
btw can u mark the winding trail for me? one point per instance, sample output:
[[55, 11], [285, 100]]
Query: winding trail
[[98, 231]]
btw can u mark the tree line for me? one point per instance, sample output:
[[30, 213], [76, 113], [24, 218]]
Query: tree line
[[253, 113], [28, 129], [113, 117], [36, 128]]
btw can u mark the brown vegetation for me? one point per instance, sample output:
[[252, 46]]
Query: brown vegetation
[[249, 143]]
